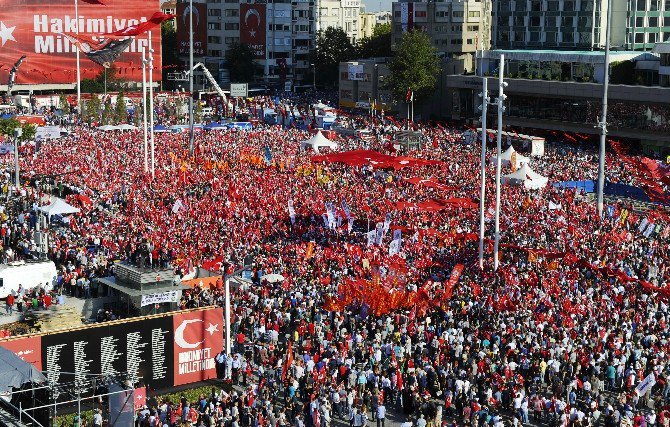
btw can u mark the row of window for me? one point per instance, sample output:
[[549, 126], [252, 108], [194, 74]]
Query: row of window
[[648, 21], [649, 38], [542, 21], [545, 6], [545, 37], [442, 14], [652, 5]]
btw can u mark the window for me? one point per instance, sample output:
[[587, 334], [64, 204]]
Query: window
[[584, 22], [213, 26], [469, 41], [639, 38], [214, 12], [231, 13], [534, 36], [230, 40], [641, 5], [347, 94], [568, 6], [535, 21], [667, 5], [568, 21], [214, 53], [473, 27], [652, 38], [552, 5], [441, 14], [213, 39], [420, 14], [230, 26], [456, 41], [653, 21], [653, 5], [473, 14], [457, 14], [535, 6], [396, 14]]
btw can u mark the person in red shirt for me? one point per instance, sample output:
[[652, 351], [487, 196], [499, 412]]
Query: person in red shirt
[[10, 304]]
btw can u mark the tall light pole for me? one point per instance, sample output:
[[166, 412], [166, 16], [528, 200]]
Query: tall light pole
[[190, 78], [482, 192], [151, 107], [501, 107], [603, 121], [76, 15], [144, 109]]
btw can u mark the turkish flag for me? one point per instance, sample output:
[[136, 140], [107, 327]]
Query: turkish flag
[[198, 338], [135, 30]]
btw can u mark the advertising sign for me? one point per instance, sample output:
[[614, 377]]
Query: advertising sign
[[43, 31], [355, 72], [169, 296], [239, 90], [199, 28], [252, 28]]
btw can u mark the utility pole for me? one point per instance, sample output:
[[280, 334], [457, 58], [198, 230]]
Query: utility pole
[[482, 192]]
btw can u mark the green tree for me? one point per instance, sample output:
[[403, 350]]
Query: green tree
[[91, 109], [622, 73], [97, 85], [7, 126], [240, 62], [28, 132], [376, 46], [415, 66], [121, 112], [332, 47], [107, 114], [64, 104], [170, 51]]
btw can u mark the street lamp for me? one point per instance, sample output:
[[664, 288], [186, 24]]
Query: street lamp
[[313, 76]]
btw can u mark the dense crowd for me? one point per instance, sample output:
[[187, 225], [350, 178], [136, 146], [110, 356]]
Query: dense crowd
[[562, 332]]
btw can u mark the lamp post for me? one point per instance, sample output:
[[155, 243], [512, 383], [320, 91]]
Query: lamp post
[[191, 135], [151, 107], [144, 109], [501, 108], [602, 124], [482, 192]]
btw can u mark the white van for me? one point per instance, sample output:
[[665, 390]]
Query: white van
[[29, 274]]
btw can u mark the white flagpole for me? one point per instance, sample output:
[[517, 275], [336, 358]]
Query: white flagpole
[[227, 311], [151, 106], [144, 109], [501, 100], [482, 193], [76, 17]]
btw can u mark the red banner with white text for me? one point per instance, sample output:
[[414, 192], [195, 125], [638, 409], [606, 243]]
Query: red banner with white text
[[43, 30]]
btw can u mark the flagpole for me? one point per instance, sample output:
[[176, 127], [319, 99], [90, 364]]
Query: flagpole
[[144, 108], [500, 100], [482, 194], [76, 17], [191, 136], [151, 106]]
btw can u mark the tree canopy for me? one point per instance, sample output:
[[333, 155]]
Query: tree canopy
[[414, 66], [240, 62], [332, 47], [376, 46]]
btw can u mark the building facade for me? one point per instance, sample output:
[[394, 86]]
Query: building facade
[[457, 28], [367, 21], [289, 27], [579, 24], [343, 14]]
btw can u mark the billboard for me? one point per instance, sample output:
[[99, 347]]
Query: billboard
[[161, 351], [41, 30], [199, 28], [355, 72], [252, 28]]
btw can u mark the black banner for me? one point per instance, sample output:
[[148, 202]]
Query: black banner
[[140, 351]]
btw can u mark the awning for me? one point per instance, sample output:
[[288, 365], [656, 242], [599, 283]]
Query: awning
[[15, 372]]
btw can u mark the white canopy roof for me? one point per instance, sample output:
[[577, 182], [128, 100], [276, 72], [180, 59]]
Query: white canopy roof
[[58, 207], [527, 177], [108, 128], [506, 158], [317, 141], [126, 126]]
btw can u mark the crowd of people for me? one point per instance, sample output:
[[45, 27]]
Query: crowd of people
[[563, 332]]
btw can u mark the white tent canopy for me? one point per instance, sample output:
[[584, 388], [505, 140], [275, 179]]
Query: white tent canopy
[[318, 141], [126, 126], [508, 155], [107, 128], [527, 177], [58, 207]]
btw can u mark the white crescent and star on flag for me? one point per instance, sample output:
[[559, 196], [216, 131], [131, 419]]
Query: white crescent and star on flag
[[179, 333], [6, 33]]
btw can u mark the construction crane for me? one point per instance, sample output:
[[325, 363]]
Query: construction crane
[[211, 80]]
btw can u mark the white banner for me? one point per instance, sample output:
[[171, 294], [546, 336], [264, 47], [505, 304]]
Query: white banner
[[404, 15], [643, 225], [645, 385], [380, 233], [394, 247], [169, 296], [178, 205], [397, 234]]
